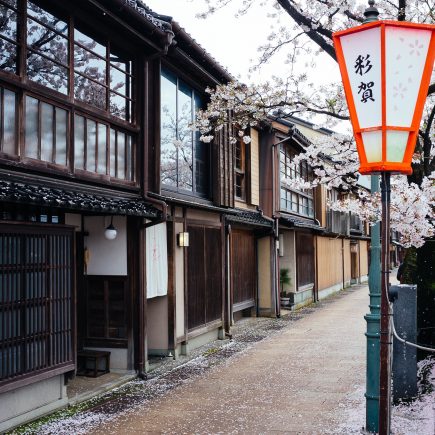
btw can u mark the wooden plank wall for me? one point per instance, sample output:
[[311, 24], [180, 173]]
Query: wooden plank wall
[[305, 259], [364, 260], [329, 262], [243, 266], [223, 169], [255, 168], [204, 276], [347, 260]]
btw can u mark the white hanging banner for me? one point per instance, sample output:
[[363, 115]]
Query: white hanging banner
[[157, 261]]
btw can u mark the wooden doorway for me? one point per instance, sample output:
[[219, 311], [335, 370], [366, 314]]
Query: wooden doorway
[[243, 270], [204, 276]]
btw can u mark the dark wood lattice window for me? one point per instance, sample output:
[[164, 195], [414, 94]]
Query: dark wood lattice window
[[36, 302], [106, 311], [204, 277]]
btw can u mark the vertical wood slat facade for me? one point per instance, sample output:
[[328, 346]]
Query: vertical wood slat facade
[[243, 267], [305, 259], [36, 301], [204, 276], [223, 170]]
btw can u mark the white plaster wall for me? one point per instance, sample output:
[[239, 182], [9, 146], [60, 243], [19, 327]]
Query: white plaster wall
[[288, 261], [29, 402], [107, 257], [179, 286], [157, 325], [74, 219]]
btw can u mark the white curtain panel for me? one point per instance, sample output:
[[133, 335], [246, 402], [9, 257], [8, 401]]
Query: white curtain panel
[[157, 261]]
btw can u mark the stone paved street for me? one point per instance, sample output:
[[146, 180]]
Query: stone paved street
[[301, 380]]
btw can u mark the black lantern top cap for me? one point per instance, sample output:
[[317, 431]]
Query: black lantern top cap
[[371, 13]]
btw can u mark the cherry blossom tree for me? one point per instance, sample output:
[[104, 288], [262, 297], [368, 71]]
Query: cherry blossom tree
[[333, 158]]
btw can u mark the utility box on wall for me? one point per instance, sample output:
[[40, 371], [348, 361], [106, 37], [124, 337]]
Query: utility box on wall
[[405, 357]]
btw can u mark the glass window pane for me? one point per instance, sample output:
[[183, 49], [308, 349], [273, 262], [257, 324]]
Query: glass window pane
[[102, 143], [119, 106], [89, 43], [91, 143], [90, 64], [8, 23], [168, 152], [112, 153], [47, 73], [119, 81], [121, 155], [79, 141], [89, 92], [41, 39], [61, 136], [32, 128], [9, 127], [294, 202], [120, 62], [47, 18], [184, 119], [8, 56], [201, 165], [46, 132], [130, 160]]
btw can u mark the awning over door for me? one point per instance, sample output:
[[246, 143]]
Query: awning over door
[[74, 197]]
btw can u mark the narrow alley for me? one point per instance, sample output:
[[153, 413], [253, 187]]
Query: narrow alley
[[297, 381]]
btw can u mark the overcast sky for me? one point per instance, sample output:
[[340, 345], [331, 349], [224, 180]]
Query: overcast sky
[[233, 42]]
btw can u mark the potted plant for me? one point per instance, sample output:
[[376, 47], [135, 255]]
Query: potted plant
[[284, 279]]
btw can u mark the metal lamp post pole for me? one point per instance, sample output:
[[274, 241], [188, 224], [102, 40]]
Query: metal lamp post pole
[[373, 318], [373, 322], [385, 344]]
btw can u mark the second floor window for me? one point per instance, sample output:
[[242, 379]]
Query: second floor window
[[184, 159], [240, 169], [292, 200], [94, 77]]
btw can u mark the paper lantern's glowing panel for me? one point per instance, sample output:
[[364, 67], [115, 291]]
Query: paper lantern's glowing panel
[[386, 68]]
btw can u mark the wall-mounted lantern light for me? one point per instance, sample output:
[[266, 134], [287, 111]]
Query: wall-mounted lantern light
[[183, 239], [110, 232]]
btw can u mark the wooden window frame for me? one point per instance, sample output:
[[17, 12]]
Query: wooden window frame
[[194, 92], [19, 84], [286, 171], [240, 170], [9, 40]]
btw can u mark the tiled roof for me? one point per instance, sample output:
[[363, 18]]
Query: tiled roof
[[23, 193], [299, 222], [249, 218], [156, 19]]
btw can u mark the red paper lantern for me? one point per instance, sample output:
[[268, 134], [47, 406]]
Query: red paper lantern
[[386, 68]]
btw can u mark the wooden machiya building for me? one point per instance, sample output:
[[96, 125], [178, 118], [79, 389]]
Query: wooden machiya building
[[215, 276], [293, 210], [76, 82], [322, 251], [121, 234]]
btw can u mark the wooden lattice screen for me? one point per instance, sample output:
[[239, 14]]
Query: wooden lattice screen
[[36, 302]]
